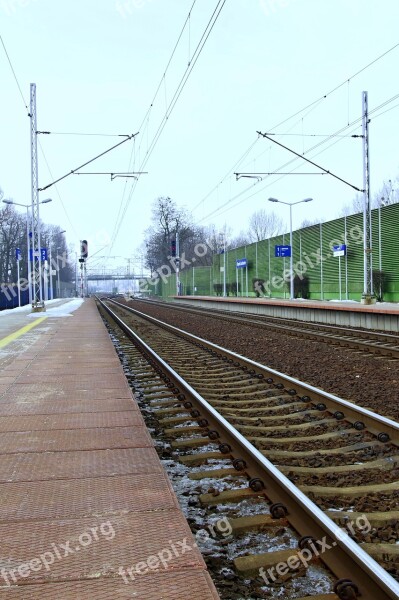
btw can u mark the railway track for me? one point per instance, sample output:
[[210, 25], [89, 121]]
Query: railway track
[[375, 342], [322, 464]]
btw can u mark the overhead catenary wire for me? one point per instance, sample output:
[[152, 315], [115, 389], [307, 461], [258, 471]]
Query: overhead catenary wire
[[87, 163], [229, 204], [14, 74], [182, 83], [144, 129], [40, 146], [57, 192], [308, 107]]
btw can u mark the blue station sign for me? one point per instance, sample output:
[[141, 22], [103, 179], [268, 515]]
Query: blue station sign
[[282, 251], [43, 253], [339, 250], [241, 263]]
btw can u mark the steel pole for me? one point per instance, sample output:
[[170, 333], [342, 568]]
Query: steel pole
[[291, 259], [58, 278], [177, 262], [37, 299], [224, 266], [28, 251], [368, 292], [51, 272], [18, 285]]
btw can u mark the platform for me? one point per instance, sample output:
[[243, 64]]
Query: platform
[[383, 316], [86, 509]]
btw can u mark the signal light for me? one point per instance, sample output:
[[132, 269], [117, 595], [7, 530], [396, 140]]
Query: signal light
[[83, 249], [173, 248]]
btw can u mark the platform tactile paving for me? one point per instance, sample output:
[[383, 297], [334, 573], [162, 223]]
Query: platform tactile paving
[[43, 466], [179, 585], [130, 418], [125, 541], [67, 405], [33, 392], [80, 439], [85, 497]]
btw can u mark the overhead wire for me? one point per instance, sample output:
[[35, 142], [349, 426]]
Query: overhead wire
[[14, 74], [39, 144], [57, 192], [181, 85], [334, 136], [144, 129], [311, 106]]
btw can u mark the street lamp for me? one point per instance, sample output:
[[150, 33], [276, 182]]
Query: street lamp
[[291, 204], [28, 206], [51, 264]]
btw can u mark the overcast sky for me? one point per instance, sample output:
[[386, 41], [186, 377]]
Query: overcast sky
[[97, 65]]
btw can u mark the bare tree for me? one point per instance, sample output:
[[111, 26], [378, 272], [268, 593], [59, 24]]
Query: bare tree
[[388, 194], [263, 225], [167, 220], [310, 222], [11, 237], [242, 239]]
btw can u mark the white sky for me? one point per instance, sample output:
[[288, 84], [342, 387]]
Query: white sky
[[98, 63]]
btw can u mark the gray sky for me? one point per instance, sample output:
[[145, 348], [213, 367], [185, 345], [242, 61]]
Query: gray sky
[[98, 63]]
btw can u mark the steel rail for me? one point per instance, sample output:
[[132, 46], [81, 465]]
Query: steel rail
[[341, 335], [345, 558], [384, 428]]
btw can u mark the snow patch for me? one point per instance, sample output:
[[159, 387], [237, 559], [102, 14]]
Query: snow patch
[[59, 311]]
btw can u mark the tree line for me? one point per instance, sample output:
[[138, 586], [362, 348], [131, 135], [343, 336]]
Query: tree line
[[13, 235], [168, 219]]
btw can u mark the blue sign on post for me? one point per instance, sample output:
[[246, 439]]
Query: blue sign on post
[[339, 250], [241, 262], [18, 254], [282, 251], [43, 253]]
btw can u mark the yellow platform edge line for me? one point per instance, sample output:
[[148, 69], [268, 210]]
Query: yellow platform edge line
[[13, 336]]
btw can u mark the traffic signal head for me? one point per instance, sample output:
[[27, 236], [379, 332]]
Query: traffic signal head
[[83, 249], [173, 247]]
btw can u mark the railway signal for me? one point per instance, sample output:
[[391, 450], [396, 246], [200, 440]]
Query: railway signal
[[173, 247]]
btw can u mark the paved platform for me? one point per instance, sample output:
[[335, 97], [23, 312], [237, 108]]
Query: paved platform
[[86, 509], [383, 316]]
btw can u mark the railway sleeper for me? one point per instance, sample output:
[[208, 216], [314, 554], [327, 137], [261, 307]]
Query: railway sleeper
[[382, 463], [255, 522], [234, 495], [216, 473], [267, 398], [351, 491], [264, 410], [191, 442], [250, 565], [178, 431], [275, 454], [291, 426], [293, 440], [376, 519], [201, 457], [382, 552], [299, 414]]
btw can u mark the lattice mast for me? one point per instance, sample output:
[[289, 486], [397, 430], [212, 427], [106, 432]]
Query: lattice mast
[[368, 292], [36, 272]]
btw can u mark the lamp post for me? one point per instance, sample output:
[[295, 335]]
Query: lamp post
[[291, 204], [58, 276], [28, 206], [57, 268]]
